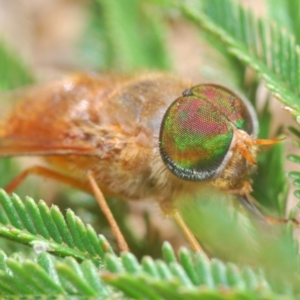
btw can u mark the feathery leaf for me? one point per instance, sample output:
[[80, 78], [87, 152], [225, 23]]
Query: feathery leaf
[[268, 49], [187, 278], [47, 275], [47, 229]]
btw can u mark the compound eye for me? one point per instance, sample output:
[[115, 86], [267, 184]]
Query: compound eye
[[194, 138], [236, 109]]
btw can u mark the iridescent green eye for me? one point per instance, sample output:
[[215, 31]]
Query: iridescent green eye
[[198, 128], [238, 111]]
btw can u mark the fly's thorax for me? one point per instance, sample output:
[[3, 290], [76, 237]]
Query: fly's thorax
[[142, 102]]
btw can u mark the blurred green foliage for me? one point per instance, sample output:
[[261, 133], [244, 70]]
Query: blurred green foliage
[[125, 36]]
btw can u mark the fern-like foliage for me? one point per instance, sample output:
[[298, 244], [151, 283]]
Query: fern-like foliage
[[295, 175], [190, 277], [286, 13], [46, 229], [47, 275], [265, 47]]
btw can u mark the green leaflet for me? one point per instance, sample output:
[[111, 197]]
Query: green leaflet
[[46, 229], [263, 46]]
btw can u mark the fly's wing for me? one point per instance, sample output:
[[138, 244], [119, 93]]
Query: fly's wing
[[47, 121], [89, 115], [18, 147]]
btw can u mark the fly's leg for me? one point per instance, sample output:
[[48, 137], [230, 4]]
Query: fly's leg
[[243, 193], [188, 234], [90, 186], [250, 206], [107, 212], [165, 207], [45, 172]]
